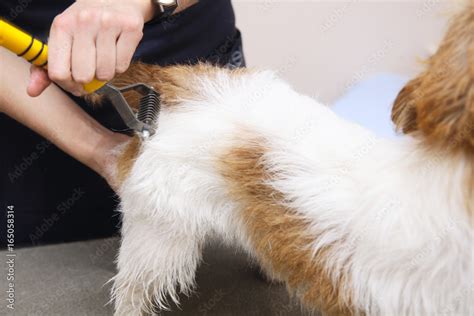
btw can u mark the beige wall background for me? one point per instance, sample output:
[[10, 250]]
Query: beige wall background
[[325, 47]]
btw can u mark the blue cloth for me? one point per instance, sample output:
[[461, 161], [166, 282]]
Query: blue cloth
[[369, 103]]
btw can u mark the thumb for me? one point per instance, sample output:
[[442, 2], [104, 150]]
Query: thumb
[[38, 82]]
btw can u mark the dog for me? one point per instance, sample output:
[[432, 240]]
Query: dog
[[350, 222]]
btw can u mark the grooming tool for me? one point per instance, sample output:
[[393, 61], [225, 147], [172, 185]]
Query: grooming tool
[[36, 52]]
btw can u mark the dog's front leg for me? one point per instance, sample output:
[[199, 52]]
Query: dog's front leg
[[157, 261]]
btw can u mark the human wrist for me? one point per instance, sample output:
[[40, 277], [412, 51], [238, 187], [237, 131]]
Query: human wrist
[[147, 9]]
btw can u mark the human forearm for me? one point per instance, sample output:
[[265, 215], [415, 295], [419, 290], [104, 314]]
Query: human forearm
[[54, 116]]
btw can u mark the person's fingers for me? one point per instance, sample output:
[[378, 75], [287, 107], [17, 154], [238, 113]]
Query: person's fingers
[[106, 50], [39, 81], [59, 50], [127, 44], [76, 89], [83, 60]]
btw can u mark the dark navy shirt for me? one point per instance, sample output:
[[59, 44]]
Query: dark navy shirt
[[56, 198]]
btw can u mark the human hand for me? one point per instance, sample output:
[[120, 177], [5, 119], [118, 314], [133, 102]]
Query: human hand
[[91, 39]]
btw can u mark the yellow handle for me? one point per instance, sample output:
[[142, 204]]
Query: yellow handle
[[33, 50]]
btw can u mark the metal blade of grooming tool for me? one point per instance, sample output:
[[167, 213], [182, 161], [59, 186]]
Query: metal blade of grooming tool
[[144, 122]]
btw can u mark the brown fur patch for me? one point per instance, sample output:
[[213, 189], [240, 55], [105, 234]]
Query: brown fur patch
[[173, 83], [278, 234], [438, 105], [127, 159]]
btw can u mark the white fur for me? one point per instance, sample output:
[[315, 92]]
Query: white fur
[[393, 209]]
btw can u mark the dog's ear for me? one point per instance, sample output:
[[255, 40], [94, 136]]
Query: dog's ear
[[404, 109], [439, 104]]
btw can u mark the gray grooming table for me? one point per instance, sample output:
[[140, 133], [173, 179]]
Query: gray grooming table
[[69, 279]]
